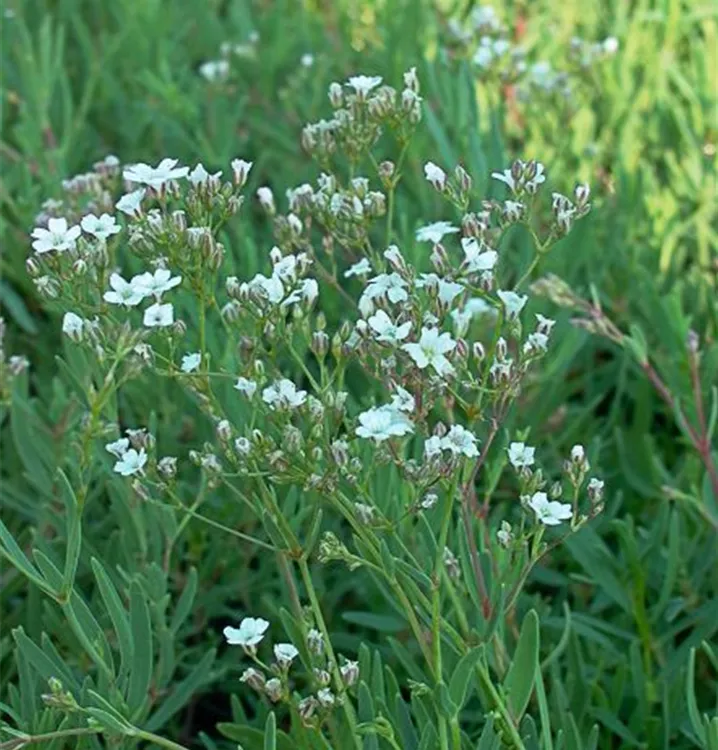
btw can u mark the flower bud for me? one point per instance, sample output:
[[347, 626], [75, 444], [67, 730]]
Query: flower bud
[[463, 179], [315, 642], [179, 219], [167, 467], [224, 430], [273, 689], [336, 95], [439, 259], [254, 678], [501, 349], [32, 266], [477, 349], [307, 708], [350, 672], [556, 491], [322, 677], [320, 344]]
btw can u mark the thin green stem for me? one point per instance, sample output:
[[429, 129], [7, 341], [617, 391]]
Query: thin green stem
[[20, 742]]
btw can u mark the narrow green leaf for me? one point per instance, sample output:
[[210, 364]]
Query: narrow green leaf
[[118, 614], [693, 713], [142, 662], [519, 682], [185, 601], [270, 732], [461, 679]]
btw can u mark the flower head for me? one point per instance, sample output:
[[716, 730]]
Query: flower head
[[100, 227], [118, 447], [431, 350], [246, 386], [478, 257], [549, 512], [383, 422], [190, 362], [285, 654], [73, 325], [460, 441], [283, 394], [155, 284], [131, 462], [123, 292], [58, 236], [386, 330], [362, 85], [159, 315], [513, 303], [362, 268], [249, 633], [155, 177], [435, 175], [435, 232], [131, 204], [214, 70], [521, 455]]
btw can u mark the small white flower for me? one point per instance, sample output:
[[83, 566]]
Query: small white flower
[[243, 446], [200, 176], [362, 268], [507, 178], [578, 454], [610, 45], [240, 171], [285, 654], [214, 70], [246, 386], [386, 330], [521, 455], [435, 232], [266, 198], [549, 512], [131, 204], [73, 325], [283, 394], [545, 325], [460, 442], [536, 342], [483, 56], [306, 60], [435, 175], [430, 350], [249, 634], [155, 284], [447, 291], [131, 462], [390, 285], [362, 85], [402, 400], [513, 303], [326, 697], [155, 177], [159, 315], [123, 292], [478, 256], [383, 422], [118, 448], [432, 447], [513, 210], [58, 236], [538, 179], [190, 362], [101, 227], [504, 534]]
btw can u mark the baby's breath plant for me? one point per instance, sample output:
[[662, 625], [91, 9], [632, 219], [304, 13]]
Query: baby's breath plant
[[375, 443]]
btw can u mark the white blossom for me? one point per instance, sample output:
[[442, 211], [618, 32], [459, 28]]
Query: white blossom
[[386, 330], [155, 284], [131, 462], [190, 362], [131, 203], [390, 285], [362, 85], [159, 315], [246, 386], [447, 291], [214, 70], [402, 400], [283, 394], [513, 303], [73, 325], [118, 448], [435, 232], [361, 268], [521, 455], [100, 227], [155, 177], [549, 512], [383, 422], [200, 176], [460, 441], [58, 236], [478, 256], [249, 634], [435, 175], [123, 292], [432, 446], [431, 350], [285, 654]]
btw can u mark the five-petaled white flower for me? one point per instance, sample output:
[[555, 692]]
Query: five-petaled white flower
[[430, 350], [435, 232], [362, 85], [521, 455], [389, 284], [131, 204], [155, 284], [478, 256], [159, 315], [549, 512], [246, 386], [200, 176], [126, 293], [100, 227], [240, 170], [403, 400], [73, 325], [447, 291], [249, 634], [131, 462], [507, 178], [58, 236], [386, 330], [118, 448], [285, 654], [155, 177], [383, 422], [435, 175], [283, 394], [190, 362], [432, 447], [362, 268], [513, 303], [460, 441], [214, 70]]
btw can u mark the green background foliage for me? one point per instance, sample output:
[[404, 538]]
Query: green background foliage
[[623, 619]]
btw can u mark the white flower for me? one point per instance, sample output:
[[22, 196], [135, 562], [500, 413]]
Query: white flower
[[283, 393], [512, 210], [72, 325], [156, 283], [386, 330], [119, 447], [249, 633], [447, 290], [214, 70], [243, 446], [309, 290], [155, 177], [389, 284], [435, 175], [131, 462], [270, 288], [460, 442], [325, 697], [536, 342], [483, 56], [538, 179], [544, 324], [550, 513], [285, 654], [123, 292], [431, 349], [478, 257], [362, 85], [506, 177], [521, 455], [131, 204], [58, 236], [102, 228], [610, 45], [361, 268], [159, 315], [190, 362], [383, 422], [578, 454], [432, 447], [240, 170], [246, 386], [306, 60], [513, 303], [200, 176], [402, 400], [266, 198], [435, 232]]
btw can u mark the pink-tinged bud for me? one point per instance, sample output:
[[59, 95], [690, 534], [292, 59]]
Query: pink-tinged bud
[[439, 259], [477, 349], [463, 179], [33, 267]]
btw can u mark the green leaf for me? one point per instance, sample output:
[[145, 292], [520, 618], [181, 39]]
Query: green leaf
[[519, 682], [73, 523], [693, 713], [270, 732], [253, 739], [10, 549], [447, 708], [184, 603], [142, 661], [117, 613], [15, 306], [460, 680], [373, 621]]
